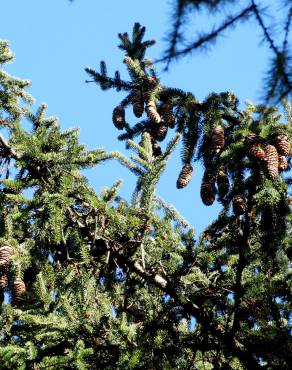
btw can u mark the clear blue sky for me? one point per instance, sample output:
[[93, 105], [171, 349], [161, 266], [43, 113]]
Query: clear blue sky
[[55, 39]]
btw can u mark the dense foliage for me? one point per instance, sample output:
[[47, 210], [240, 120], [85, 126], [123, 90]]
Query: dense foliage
[[92, 281]]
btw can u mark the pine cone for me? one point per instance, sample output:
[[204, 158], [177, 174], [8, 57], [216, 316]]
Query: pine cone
[[119, 117], [283, 145], [185, 176], [158, 132], [239, 205], [272, 162], [152, 113], [138, 104], [167, 115], [156, 149], [283, 163], [18, 291], [222, 183], [217, 139], [5, 254], [252, 139], [3, 281], [257, 152], [208, 191]]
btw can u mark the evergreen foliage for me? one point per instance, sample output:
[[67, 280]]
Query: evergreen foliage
[[113, 284]]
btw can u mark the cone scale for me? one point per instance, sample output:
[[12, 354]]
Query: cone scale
[[283, 145], [6, 252], [18, 291], [208, 192], [138, 104], [185, 176], [119, 117], [217, 139], [152, 113], [272, 161]]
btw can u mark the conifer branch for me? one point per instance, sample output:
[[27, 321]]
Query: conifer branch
[[287, 29], [204, 39]]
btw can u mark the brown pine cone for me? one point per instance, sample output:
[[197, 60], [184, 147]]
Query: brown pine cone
[[6, 252], [3, 281], [152, 113], [283, 145], [156, 149], [18, 290], [208, 192], [119, 117], [138, 104], [185, 176], [272, 161], [252, 139], [239, 205], [222, 183], [167, 115], [283, 163], [257, 152], [158, 132], [217, 139]]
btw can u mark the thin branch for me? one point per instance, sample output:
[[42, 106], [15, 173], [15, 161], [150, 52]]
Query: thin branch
[[287, 29], [264, 28], [175, 35], [11, 151], [211, 36]]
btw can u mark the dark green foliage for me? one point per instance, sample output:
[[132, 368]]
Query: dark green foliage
[[112, 284]]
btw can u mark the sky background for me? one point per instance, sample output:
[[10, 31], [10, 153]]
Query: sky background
[[55, 39]]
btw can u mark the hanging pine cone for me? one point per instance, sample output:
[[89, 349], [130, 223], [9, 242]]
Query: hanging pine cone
[[252, 139], [167, 115], [222, 183], [208, 191], [119, 117], [283, 145], [18, 290], [272, 161], [185, 176], [239, 205], [158, 132], [138, 104], [3, 281], [152, 113], [217, 139], [283, 163], [156, 149], [6, 252], [257, 152]]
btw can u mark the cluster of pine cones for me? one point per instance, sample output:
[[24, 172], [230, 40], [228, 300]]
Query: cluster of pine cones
[[275, 156], [161, 117], [213, 184], [208, 186], [18, 287]]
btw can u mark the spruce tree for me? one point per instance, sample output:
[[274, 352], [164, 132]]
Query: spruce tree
[[94, 281]]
